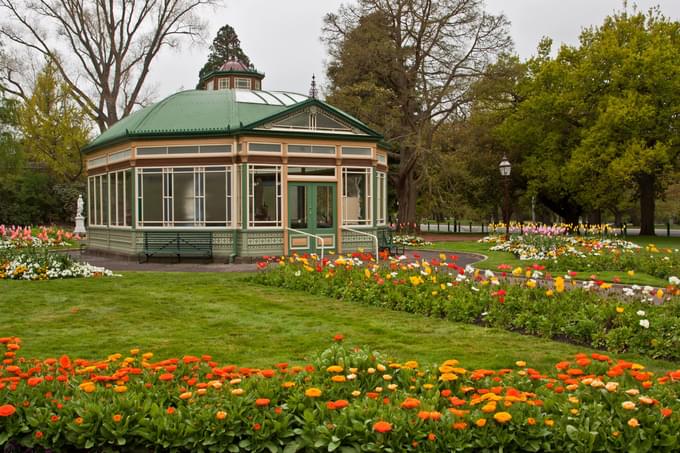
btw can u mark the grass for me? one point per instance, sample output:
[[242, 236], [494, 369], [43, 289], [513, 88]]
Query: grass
[[494, 258], [173, 314]]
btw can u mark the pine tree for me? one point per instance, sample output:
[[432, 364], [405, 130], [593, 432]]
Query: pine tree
[[225, 46]]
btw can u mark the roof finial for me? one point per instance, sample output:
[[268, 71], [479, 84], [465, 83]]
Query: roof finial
[[313, 92]]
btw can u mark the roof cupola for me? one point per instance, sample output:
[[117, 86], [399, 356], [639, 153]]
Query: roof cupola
[[233, 74]]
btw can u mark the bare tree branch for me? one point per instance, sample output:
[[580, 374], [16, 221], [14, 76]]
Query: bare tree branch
[[103, 49]]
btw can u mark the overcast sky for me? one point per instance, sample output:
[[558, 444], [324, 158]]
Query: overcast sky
[[282, 38]]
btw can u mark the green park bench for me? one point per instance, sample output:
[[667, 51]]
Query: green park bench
[[193, 244], [386, 242]]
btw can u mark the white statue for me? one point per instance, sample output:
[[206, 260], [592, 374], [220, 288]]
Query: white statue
[[81, 205], [80, 220]]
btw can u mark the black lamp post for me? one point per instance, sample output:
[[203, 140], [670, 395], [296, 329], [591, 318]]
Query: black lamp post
[[505, 168]]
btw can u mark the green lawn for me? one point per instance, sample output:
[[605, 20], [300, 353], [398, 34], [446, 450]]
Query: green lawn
[[493, 259], [173, 314]]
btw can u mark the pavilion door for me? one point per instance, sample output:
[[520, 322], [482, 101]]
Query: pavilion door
[[311, 209]]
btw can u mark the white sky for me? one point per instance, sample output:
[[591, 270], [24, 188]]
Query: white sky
[[282, 39]]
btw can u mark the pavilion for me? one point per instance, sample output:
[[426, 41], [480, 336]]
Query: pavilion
[[258, 172]]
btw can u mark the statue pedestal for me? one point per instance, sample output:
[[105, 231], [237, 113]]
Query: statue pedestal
[[80, 225]]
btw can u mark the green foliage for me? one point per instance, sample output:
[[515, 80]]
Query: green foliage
[[225, 46], [601, 116], [54, 127]]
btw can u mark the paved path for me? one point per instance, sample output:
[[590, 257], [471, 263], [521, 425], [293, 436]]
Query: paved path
[[121, 264]]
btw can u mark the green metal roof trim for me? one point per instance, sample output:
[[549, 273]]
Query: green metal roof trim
[[205, 113]]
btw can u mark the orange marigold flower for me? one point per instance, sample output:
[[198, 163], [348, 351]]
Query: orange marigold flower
[[6, 410], [549, 422], [38, 434], [431, 437], [170, 410], [166, 377], [261, 402], [338, 378], [221, 415], [313, 392], [382, 427], [410, 403], [78, 421], [424, 415], [340, 404], [117, 418], [502, 417], [480, 422], [666, 411], [460, 425], [633, 423], [185, 395], [268, 373], [531, 421]]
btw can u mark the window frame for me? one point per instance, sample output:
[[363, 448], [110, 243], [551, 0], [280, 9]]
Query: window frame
[[368, 196], [250, 196]]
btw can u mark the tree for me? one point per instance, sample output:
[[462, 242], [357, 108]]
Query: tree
[[53, 126], [600, 120], [416, 60], [225, 46], [102, 49]]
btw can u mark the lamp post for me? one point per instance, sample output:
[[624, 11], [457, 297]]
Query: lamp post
[[505, 168]]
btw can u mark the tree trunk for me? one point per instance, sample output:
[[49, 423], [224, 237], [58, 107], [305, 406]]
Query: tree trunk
[[647, 183], [407, 194]]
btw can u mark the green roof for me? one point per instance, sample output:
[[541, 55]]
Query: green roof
[[211, 113]]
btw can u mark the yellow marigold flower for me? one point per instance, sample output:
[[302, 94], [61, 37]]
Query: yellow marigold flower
[[120, 389], [221, 415], [87, 387], [573, 411], [446, 377], [215, 384], [549, 293], [489, 407], [559, 284], [451, 362], [201, 392], [659, 293], [606, 286], [367, 273], [531, 283], [356, 393], [288, 385], [313, 392], [381, 367], [428, 386], [521, 363], [411, 364], [370, 370], [502, 417], [628, 405], [393, 387], [616, 434], [620, 309], [549, 422], [134, 351], [612, 386], [631, 273], [185, 395], [387, 377], [480, 423], [633, 423], [378, 389], [338, 378], [335, 369], [395, 366], [238, 392], [415, 280]]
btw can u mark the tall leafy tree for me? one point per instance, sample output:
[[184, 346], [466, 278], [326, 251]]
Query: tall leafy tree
[[225, 46], [53, 126], [102, 49], [413, 61]]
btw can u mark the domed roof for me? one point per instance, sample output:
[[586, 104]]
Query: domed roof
[[210, 113], [234, 65]]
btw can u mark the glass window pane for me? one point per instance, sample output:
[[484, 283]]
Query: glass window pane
[[326, 122], [264, 147], [298, 206], [129, 198], [152, 197], [351, 151], [221, 149], [312, 171], [105, 200], [216, 197], [151, 151], [182, 149], [355, 196], [297, 121], [183, 198], [265, 196], [120, 199], [324, 207]]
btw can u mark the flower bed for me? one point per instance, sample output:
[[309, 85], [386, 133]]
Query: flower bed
[[410, 241], [30, 263], [590, 313], [41, 236], [348, 398], [562, 253]]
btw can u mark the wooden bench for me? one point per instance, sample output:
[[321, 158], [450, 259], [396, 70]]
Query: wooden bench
[[386, 242], [194, 244]]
